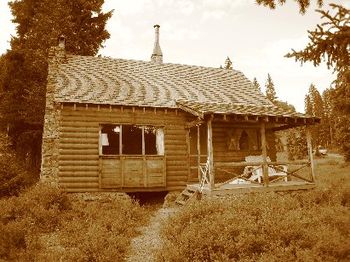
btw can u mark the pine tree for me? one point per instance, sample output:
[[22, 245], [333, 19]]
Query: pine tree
[[256, 84], [308, 106], [270, 89], [23, 80], [303, 4]]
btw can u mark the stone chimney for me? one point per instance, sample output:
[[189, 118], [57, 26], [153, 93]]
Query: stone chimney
[[50, 139], [58, 53], [157, 55]]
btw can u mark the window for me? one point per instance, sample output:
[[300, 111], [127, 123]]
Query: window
[[244, 141], [109, 139], [131, 140]]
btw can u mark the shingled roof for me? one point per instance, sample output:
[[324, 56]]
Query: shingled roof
[[98, 80]]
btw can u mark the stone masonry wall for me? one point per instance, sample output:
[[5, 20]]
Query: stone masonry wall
[[50, 141]]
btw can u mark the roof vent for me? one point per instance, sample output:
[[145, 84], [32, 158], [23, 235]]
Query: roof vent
[[157, 55]]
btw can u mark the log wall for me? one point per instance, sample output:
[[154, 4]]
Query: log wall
[[79, 144], [224, 152]]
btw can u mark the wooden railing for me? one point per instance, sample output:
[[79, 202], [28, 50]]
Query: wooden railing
[[224, 166]]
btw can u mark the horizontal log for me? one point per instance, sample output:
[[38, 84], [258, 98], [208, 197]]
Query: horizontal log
[[79, 163], [182, 172], [78, 168], [78, 146], [78, 173], [77, 157], [175, 132], [78, 179], [176, 184], [78, 129], [182, 148], [173, 137], [68, 124], [176, 163], [178, 141], [81, 152], [79, 185], [79, 140], [81, 134]]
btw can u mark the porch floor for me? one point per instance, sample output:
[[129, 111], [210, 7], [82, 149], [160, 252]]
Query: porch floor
[[225, 189]]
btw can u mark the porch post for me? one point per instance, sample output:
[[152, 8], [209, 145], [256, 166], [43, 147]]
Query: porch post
[[198, 151], [210, 153], [309, 150], [264, 153]]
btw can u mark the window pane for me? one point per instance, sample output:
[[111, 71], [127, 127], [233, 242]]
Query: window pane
[[154, 140], [132, 140], [150, 140], [110, 139]]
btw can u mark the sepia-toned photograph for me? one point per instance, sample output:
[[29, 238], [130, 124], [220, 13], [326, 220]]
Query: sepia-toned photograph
[[174, 130]]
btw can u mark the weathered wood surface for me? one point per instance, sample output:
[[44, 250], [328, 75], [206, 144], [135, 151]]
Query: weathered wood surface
[[254, 188], [79, 150]]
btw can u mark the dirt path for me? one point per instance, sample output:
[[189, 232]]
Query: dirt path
[[144, 246]]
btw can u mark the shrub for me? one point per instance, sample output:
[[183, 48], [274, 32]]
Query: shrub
[[13, 175], [24, 218], [44, 223], [101, 230], [302, 226]]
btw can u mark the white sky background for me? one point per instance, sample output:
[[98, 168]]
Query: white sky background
[[205, 32]]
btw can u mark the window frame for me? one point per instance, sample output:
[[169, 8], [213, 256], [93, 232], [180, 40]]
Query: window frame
[[143, 143]]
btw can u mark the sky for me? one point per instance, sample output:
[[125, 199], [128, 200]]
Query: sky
[[205, 32]]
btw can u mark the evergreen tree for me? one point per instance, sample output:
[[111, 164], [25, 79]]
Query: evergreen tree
[[256, 84], [308, 106], [303, 4], [330, 42], [23, 78], [270, 89]]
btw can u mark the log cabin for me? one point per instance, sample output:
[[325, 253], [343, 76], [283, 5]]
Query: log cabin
[[138, 126]]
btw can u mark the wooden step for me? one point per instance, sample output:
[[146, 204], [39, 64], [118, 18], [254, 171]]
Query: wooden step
[[185, 196]]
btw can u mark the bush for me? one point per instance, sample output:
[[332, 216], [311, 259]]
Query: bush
[[302, 226], [101, 230], [44, 223], [25, 217], [13, 175]]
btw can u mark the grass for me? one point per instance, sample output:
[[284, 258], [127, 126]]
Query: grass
[[302, 226]]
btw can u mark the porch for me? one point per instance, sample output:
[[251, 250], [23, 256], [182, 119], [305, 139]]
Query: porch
[[247, 175]]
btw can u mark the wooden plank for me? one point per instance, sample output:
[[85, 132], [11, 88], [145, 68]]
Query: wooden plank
[[243, 164]]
